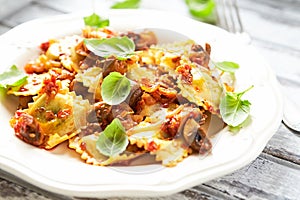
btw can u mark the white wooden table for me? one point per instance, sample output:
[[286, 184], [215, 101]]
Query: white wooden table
[[274, 26]]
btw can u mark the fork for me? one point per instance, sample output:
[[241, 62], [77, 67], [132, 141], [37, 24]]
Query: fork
[[228, 18]]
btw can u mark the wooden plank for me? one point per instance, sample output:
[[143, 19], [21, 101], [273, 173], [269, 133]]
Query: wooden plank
[[285, 145], [32, 11], [205, 192], [277, 24], [20, 189], [16, 188], [275, 11], [3, 28], [291, 5], [13, 191], [10, 7], [283, 60], [87, 5], [285, 63], [262, 179], [68, 6]]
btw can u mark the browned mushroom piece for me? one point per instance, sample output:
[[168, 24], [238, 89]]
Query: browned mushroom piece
[[201, 143], [199, 55], [23, 101], [190, 130], [134, 96], [101, 113], [90, 128], [80, 89], [142, 40]]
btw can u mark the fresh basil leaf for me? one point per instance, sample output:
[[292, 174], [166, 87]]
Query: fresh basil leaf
[[233, 109], [126, 4], [121, 47], [115, 88], [113, 140], [227, 66], [2, 93], [13, 77], [95, 21], [203, 10], [234, 129]]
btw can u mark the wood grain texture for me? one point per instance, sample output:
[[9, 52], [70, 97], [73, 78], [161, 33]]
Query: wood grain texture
[[4, 29], [264, 178], [14, 191], [278, 24], [274, 26], [285, 144], [29, 12]]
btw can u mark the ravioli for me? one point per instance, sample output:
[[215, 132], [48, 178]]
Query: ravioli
[[174, 89], [47, 123]]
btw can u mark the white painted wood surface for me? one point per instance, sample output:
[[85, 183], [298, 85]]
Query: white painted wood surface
[[274, 26]]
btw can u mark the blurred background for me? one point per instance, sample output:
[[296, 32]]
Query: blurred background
[[13, 12]]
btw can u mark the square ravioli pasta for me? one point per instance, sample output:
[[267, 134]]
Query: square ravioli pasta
[[120, 96]]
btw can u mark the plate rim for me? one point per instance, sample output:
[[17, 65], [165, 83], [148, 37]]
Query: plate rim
[[141, 190]]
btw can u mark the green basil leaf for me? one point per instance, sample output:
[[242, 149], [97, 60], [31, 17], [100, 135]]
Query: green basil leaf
[[115, 88], [227, 66], [234, 129], [233, 109], [2, 93], [95, 21], [113, 140], [126, 4], [121, 47], [13, 77], [203, 10]]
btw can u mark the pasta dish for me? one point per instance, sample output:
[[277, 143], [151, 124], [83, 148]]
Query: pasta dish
[[116, 96]]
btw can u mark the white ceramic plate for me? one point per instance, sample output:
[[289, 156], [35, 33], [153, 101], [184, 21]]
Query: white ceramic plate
[[61, 170]]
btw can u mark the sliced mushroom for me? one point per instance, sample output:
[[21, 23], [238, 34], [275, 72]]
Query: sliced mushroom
[[201, 143], [23, 101], [111, 64], [199, 55], [190, 130], [101, 113], [142, 40], [134, 96], [91, 128], [79, 89]]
